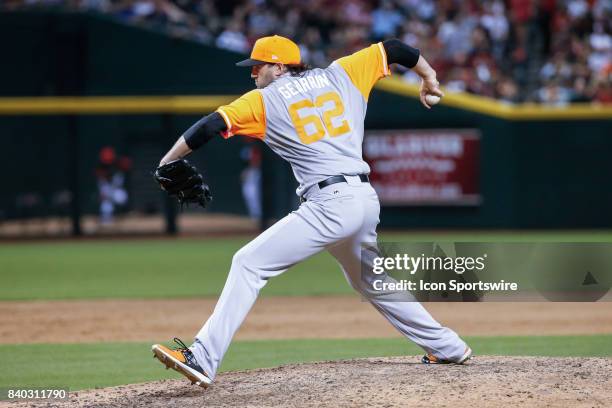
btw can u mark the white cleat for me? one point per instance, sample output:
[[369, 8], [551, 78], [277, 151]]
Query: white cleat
[[431, 359]]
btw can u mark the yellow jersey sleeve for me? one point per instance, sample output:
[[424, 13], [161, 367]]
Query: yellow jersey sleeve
[[245, 116], [365, 67]]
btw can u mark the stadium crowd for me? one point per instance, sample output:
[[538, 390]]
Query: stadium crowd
[[546, 51]]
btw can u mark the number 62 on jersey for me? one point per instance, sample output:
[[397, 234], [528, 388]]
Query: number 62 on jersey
[[332, 110]]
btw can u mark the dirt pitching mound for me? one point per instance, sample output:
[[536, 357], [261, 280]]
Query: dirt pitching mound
[[385, 382]]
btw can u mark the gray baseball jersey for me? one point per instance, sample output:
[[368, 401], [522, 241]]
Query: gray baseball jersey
[[313, 120]]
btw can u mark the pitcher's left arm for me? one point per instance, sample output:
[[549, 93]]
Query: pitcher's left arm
[[198, 134]]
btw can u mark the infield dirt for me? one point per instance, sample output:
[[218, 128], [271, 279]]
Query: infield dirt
[[281, 318], [381, 382]]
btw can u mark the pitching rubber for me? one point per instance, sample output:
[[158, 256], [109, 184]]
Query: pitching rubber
[[171, 362]]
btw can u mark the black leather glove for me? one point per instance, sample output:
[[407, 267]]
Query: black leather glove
[[181, 179]]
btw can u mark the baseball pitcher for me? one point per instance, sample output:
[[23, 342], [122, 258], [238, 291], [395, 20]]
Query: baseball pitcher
[[314, 119]]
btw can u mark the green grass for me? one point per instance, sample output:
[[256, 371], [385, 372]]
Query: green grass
[[187, 268], [80, 366]]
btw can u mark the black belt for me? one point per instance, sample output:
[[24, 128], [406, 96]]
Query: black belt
[[341, 179], [337, 179]]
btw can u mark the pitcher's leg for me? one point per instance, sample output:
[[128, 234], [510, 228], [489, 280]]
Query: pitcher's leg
[[410, 318], [287, 242]]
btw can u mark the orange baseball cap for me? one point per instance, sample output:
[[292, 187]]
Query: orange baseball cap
[[273, 50]]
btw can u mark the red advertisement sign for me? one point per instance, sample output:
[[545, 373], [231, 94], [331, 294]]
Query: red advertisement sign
[[424, 167]]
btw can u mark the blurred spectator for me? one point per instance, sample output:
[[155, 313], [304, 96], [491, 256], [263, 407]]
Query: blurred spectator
[[602, 85], [111, 173], [232, 38], [356, 12], [455, 33], [385, 20], [494, 20], [424, 10], [552, 51], [506, 90], [554, 94]]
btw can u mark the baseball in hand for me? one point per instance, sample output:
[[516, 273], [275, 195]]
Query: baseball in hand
[[432, 99]]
